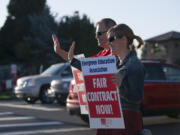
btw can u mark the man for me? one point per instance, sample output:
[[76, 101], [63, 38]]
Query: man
[[101, 28]]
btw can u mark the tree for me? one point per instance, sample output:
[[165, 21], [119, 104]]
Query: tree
[[80, 30], [21, 8], [17, 26], [10, 35], [26, 34], [41, 28]]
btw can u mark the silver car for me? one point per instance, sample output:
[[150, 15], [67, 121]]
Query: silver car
[[32, 88], [59, 90]]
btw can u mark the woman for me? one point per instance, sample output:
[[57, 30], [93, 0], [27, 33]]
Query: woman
[[129, 79]]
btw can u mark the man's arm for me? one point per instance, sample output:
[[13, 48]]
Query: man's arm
[[76, 63], [57, 48]]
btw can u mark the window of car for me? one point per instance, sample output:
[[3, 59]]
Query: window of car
[[171, 73], [67, 72], [53, 70], [154, 72]]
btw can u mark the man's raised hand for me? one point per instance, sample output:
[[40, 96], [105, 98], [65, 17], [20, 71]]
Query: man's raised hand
[[57, 47], [71, 51]]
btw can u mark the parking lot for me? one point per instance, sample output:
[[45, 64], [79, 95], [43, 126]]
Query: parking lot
[[20, 118]]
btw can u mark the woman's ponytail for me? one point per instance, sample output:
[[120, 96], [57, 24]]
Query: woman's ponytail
[[139, 40]]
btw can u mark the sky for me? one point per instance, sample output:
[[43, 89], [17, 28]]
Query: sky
[[147, 18]]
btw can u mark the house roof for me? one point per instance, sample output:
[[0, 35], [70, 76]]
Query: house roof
[[172, 35]]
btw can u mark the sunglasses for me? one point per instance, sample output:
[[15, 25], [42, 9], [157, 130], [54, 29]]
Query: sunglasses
[[111, 39], [100, 33]]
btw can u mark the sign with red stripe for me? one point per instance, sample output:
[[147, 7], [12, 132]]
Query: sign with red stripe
[[102, 94]]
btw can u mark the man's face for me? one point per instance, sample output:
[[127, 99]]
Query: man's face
[[101, 35]]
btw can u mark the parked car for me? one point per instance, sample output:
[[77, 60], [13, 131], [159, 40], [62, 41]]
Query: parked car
[[59, 90], [32, 88], [161, 91]]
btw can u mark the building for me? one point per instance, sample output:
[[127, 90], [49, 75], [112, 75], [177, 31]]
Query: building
[[164, 47]]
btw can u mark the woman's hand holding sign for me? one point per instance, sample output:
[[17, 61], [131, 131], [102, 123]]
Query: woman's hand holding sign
[[117, 79]]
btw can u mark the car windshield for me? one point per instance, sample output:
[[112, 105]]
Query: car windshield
[[53, 70]]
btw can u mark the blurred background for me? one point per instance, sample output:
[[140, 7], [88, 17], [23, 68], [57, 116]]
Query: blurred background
[[37, 89], [26, 27]]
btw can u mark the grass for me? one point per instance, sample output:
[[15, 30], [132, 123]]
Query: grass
[[6, 94]]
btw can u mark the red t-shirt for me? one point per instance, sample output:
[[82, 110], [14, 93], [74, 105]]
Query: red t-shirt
[[104, 52]]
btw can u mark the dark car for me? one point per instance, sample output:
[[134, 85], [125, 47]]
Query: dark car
[[161, 91]]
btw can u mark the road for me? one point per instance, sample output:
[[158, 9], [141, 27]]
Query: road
[[20, 118]]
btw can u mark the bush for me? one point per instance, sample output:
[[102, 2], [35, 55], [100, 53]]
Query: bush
[[6, 94]]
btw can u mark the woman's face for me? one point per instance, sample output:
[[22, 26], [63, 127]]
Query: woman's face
[[114, 43]]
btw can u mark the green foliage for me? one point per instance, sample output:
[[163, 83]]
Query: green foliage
[[20, 8], [80, 30], [16, 27], [156, 48], [7, 94], [144, 51], [26, 39], [42, 26], [22, 51], [26, 34]]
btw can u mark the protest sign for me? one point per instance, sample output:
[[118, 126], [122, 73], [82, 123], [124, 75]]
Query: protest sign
[[101, 93], [80, 87]]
